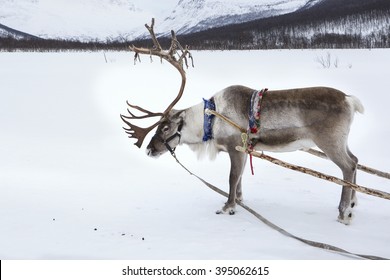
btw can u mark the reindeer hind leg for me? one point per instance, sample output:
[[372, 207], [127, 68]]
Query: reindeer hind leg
[[354, 200], [347, 162]]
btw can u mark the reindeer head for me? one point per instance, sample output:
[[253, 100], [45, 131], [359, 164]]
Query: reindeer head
[[168, 132]]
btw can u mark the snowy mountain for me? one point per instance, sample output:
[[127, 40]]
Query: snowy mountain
[[124, 19], [195, 15], [325, 24], [310, 4], [5, 31], [83, 19]]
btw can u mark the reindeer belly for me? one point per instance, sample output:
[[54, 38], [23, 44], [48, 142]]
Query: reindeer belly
[[301, 144], [287, 134]]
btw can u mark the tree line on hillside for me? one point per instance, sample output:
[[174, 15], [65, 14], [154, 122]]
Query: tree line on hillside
[[46, 45], [331, 24], [369, 29]]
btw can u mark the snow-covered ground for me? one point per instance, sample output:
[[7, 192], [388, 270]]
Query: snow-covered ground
[[72, 185]]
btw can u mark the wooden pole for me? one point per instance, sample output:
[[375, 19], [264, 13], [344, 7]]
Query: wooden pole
[[317, 174], [361, 167]]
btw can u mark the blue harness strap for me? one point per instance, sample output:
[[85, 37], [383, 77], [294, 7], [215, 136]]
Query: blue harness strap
[[208, 120], [254, 115]]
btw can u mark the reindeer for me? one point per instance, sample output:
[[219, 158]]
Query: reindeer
[[291, 120]]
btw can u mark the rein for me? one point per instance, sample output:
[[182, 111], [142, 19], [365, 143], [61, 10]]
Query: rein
[[274, 226]]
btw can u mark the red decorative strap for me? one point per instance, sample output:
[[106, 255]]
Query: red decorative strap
[[254, 118]]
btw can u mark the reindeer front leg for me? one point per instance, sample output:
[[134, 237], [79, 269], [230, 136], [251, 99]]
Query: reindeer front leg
[[237, 161]]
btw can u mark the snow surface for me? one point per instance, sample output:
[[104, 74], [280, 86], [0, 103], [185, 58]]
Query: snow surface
[[72, 185]]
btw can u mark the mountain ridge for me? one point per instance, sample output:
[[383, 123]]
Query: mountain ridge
[[191, 16], [360, 23], [316, 24], [6, 31], [123, 20]]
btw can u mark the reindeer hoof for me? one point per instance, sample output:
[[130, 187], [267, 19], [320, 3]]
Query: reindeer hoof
[[346, 217], [226, 210]]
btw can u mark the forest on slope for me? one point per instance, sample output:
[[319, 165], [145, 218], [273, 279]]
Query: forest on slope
[[329, 24]]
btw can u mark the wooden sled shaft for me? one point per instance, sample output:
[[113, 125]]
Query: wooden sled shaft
[[317, 174], [361, 167]]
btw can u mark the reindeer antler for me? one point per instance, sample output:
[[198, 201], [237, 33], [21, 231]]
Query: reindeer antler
[[174, 58]]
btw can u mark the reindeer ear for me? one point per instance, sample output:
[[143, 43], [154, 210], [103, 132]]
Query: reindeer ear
[[178, 115], [178, 118]]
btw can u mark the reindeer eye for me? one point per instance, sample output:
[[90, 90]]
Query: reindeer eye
[[165, 128]]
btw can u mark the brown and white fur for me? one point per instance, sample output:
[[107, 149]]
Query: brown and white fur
[[291, 119]]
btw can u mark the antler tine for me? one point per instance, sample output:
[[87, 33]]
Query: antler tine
[[184, 51], [148, 113], [174, 44], [137, 132], [156, 50], [156, 43], [178, 64], [170, 56]]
